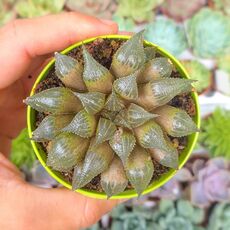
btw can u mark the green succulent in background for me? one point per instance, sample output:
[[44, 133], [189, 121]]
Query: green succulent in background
[[137, 10], [209, 33], [36, 8], [220, 217], [173, 8], [224, 63], [179, 215], [199, 72], [6, 13], [124, 24], [169, 215], [215, 133], [139, 218], [22, 153], [167, 34], [223, 5]]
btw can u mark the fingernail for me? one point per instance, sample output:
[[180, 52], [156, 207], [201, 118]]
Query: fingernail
[[108, 22]]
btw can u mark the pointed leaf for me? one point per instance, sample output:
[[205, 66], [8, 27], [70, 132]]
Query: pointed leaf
[[156, 68], [121, 119], [51, 126], [150, 53], [129, 57], [160, 91], [175, 122], [138, 116], [114, 102], [96, 76], [139, 169], [105, 130], [69, 71], [93, 102], [168, 159], [126, 87], [83, 124], [113, 180], [65, 151], [56, 100], [150, 135], [122, 144], [97, 160]]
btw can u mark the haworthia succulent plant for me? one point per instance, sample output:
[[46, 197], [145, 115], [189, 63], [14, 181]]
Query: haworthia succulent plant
[[111, 123]]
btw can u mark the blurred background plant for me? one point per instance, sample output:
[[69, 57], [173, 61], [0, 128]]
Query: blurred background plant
[[198, 33]]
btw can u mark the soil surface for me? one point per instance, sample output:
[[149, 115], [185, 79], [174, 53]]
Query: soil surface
[[102, 50]]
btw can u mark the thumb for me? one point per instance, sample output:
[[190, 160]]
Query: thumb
[[58, 208]]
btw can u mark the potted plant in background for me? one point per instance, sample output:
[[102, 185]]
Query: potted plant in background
[[125, 119]]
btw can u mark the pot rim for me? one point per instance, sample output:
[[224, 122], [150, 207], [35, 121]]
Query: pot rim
[[184, 156]]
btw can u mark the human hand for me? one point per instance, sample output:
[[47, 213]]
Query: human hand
[[25, 46]]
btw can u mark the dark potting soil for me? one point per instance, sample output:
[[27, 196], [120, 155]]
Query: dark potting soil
[[103, 50]]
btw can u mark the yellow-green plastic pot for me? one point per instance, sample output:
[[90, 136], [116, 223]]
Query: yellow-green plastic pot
[[41, 155]]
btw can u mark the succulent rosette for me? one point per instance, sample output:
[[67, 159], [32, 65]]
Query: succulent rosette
[[113, 122], [200, 30]]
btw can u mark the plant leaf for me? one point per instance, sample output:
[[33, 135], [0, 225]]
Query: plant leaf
[[105, 130], [93, 102], [56, 100], [122, 144], [97, 160], [51, 126], [139, 169], [83, 124], [113, 180], [65, 151]]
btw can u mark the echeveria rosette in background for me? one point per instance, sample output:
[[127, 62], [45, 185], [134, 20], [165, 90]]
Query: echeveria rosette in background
[[199, 72], [137, 10], [97, 8], [167, 34], [209, 181], [173, 8], [34, 8], [215, 133], [103, 123], [209, 33]]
